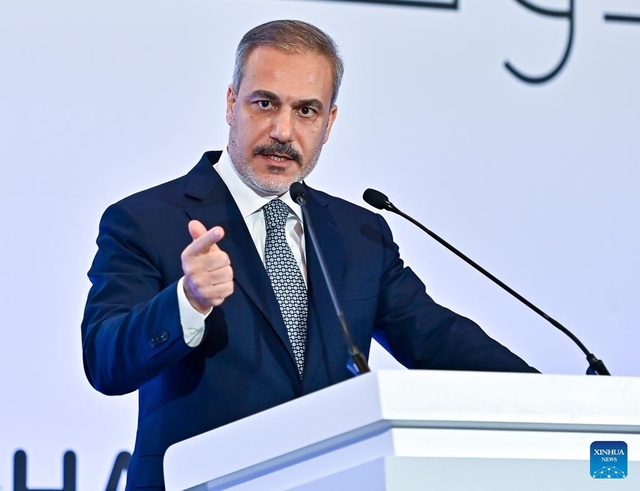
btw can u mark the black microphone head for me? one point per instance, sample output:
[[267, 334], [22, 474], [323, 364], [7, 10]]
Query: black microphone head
[[297, 192], [376, 199]]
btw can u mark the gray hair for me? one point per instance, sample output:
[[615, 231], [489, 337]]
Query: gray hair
[[289, 36]]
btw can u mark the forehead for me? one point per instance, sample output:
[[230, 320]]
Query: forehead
[[289, 75]]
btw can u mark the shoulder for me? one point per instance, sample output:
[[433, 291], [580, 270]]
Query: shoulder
[[346, 215], [341, 208], [160, 214], [178, 193]]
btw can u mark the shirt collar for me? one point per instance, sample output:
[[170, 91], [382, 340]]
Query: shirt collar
[[247, 199]]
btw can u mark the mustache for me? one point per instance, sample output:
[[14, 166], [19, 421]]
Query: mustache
[[285, 149]]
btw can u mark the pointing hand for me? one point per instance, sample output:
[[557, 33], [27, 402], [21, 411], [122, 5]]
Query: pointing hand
[[208, 276]]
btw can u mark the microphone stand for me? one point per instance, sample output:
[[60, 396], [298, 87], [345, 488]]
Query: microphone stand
[[357, 362]]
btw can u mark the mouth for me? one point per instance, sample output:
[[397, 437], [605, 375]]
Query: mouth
[[277, 158]]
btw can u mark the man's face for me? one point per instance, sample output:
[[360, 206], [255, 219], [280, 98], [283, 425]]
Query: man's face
[[280, 117]]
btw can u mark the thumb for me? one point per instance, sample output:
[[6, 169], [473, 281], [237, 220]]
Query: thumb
[[203, 240], [196, 229]]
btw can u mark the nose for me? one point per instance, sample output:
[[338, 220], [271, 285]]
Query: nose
[[282, 127]]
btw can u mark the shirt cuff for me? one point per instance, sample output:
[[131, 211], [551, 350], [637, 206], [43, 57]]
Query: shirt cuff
[[191, 320]]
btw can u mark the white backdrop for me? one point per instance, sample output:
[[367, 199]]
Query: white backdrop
[[535, 182]]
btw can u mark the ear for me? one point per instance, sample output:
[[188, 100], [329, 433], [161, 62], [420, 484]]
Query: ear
[[231, 100], [332, 117]]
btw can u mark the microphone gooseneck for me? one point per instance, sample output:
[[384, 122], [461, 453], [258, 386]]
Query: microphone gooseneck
[[380, 201], [357, 362]]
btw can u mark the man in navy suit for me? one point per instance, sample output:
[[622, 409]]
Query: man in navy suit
[[182, 308]]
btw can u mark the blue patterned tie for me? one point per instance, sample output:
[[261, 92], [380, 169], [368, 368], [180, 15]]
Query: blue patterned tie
[[286, 278]]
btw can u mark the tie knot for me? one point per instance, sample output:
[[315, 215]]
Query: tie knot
[[276, 213]]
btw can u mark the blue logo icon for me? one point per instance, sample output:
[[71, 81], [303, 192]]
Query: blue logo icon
[[609, 460]]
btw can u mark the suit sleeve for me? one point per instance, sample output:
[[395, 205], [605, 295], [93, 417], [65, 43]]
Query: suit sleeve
[[419, 333], [131, 329]]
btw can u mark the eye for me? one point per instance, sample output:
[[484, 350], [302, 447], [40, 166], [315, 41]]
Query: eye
[[264, 104], [307, 112]]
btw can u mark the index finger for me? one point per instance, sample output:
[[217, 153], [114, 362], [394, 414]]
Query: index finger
[[205, 242]]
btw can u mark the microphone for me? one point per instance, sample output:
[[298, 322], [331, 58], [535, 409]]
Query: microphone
[[381, 202], [357, 363]]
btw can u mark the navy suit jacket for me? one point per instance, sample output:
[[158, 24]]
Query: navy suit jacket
[[133, 340]]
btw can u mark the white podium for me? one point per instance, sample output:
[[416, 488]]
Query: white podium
[[422, 430]]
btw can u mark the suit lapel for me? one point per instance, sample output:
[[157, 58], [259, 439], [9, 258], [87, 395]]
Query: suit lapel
[[214, 205]]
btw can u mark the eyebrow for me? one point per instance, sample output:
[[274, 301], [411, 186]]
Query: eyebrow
[[315, 103], [270, 96]]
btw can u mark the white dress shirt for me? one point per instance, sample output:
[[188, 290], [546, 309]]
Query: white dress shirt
[[250, 202]]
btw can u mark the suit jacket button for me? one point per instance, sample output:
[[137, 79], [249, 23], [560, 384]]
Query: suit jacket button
[[159, 339]]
